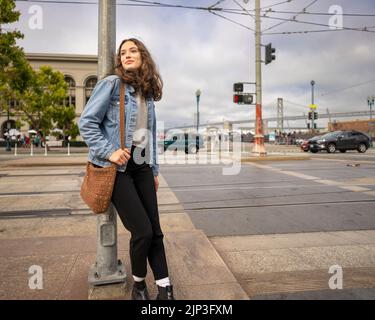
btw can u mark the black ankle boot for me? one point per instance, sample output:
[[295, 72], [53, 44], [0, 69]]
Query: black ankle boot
[[165, 293], [140, 291]]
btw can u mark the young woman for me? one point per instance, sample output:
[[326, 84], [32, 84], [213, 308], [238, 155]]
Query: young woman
[[136, 184]]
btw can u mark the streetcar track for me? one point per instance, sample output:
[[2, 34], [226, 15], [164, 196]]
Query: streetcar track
[[267, 197], [256, 187], [280, 205]]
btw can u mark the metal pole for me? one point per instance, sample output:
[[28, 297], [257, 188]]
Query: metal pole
[[8, 148], [198, 94], [312, 103], [258, 148], [107, 269], [370, 101], [197, 114], [372, 126]]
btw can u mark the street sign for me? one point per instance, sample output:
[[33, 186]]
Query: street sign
[[313, 106]]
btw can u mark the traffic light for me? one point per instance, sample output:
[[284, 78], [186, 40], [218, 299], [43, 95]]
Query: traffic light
[[308, 126], [315, 126], [238, 98], [310, 115], [238, 87], [270, 53], [243, 98], [315, 115], [247, 98]]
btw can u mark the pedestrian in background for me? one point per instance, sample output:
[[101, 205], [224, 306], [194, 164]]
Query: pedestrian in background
[[136, 184]]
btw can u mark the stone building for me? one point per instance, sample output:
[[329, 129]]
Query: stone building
[[80, 72]]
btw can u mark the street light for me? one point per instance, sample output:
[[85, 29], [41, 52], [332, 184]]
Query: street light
[[312, 104], [8, 148], [370, 102], [198, 94]]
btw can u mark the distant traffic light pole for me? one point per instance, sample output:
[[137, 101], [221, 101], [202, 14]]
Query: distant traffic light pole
[[370, 102], [312, 104], [198, 94], [258, 148]]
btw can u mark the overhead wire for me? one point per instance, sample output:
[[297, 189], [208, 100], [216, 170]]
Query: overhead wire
[[211, 9], [276, 4], [244, 9], [365, 29], [223, 17], [321, 13], [294, 17], [346, 88]]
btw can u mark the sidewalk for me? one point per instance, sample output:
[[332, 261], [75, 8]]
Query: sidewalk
[[65, 247]]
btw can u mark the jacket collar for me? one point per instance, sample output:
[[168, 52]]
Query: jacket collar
[[130, 88]]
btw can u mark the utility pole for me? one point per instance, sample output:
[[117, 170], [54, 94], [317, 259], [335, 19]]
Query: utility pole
[[107, 269], [258, 148], [312, 105]]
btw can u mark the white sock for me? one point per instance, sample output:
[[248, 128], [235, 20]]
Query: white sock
[[138, 279], [163, 282]]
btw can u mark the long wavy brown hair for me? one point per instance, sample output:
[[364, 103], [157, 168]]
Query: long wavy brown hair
[[147, 78]]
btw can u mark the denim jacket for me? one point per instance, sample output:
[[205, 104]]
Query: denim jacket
[[99, 124]]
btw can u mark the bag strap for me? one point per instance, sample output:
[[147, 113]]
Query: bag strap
[[122, 114]]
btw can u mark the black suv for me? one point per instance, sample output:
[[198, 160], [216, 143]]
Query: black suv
[[340, 140]]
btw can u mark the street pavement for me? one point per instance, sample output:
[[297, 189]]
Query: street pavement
[[272, 231], [281, 225]]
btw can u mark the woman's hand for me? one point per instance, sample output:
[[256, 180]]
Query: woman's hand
[[156, 180], [120, 156]]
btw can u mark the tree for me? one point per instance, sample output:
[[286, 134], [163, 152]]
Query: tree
[[43, 99], [15, 71], [64, 119], [39, 94]]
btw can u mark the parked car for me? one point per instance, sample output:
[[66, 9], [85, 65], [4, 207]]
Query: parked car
[[340, 140], [299, 141], [190, 143], [305, 145]]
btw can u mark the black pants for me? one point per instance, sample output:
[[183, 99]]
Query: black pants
[[134, 198]]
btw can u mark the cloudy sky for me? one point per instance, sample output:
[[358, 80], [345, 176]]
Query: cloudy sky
[[196, 49]]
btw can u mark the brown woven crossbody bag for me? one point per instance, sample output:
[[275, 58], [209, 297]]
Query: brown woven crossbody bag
[[97, 185]]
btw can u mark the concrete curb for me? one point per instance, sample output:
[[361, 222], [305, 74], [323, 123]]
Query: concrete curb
[[58, 161]]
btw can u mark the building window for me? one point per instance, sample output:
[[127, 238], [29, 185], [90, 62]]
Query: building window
[[13, 103], [90, 84], [71, 99]]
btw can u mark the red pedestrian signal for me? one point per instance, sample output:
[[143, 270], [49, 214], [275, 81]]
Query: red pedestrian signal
[[238, 98]]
